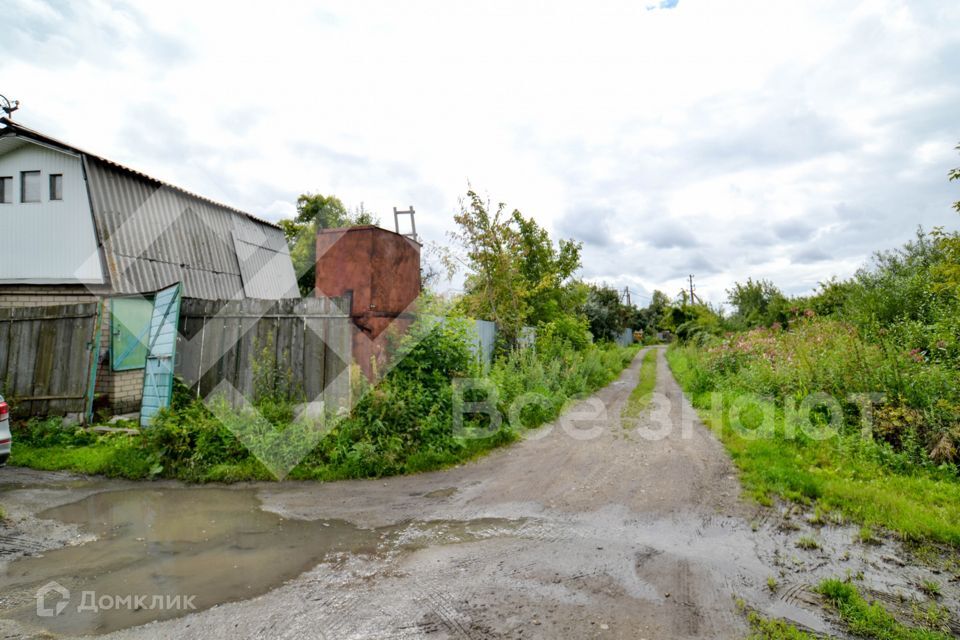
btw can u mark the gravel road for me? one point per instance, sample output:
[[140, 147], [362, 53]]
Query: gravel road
[[588, 528]]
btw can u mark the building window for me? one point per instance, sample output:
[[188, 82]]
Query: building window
[[56, 186], [6, 190], [29, 186]]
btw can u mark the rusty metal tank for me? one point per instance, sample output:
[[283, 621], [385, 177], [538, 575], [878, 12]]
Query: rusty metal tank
[[380, 270]]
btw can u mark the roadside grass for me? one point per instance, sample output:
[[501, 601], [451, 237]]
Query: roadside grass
[[863, 619], [114, 456], [642, 393], [845, 473], [125, 456], [762, 628], [3, 513], [871, 620], [402, 426]]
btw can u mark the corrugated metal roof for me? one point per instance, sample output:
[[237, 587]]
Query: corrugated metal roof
[[154, 234]]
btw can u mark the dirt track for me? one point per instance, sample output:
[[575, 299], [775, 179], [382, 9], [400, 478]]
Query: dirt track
[[615, 541], [585, 529]]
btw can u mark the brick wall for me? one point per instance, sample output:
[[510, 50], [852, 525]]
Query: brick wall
[[123, 389], [35, 296]]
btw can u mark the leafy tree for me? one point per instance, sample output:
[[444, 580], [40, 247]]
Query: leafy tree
[[515, 274], [494, 283], [649, 318], [545, 269], [316, 211], [324, 212], [947, 273], [830, 298], [604, 312], [693, 321], [758, 303]]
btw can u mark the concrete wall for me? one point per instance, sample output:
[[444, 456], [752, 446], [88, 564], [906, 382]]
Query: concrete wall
[[381, 270], [51, 241]]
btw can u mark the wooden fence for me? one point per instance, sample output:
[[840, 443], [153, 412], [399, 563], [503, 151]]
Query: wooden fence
[[310, 340], [46, 356]]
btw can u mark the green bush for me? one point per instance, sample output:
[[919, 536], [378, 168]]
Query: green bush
[[49, 432], [920, 412], [403, 424]]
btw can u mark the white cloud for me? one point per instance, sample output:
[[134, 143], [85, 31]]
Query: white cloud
[[768, 138]]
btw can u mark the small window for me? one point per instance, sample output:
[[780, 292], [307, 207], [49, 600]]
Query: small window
[[56, 186], [29, 186], [6, 190]]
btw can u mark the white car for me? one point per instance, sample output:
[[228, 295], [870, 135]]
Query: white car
[[5, 437]]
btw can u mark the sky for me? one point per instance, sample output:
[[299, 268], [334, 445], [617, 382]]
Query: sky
[[724, 139]]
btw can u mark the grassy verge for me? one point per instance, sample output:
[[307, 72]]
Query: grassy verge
[[863, 619], [642, 393], [845, 472], [404, 425]]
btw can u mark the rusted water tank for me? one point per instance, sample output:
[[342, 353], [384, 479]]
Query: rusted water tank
[[381, 271]]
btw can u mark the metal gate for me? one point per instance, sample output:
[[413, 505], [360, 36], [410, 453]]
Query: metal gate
[[161, 350]]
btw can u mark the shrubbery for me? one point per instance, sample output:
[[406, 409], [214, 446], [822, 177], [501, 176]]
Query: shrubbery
[[893, 329], [403, 424]]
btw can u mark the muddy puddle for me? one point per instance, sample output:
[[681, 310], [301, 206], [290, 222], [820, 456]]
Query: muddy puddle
[[189, 549]]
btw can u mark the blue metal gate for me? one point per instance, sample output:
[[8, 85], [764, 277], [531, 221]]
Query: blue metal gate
[[161, 350]]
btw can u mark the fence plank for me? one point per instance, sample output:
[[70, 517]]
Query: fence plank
[[236, 333], [43, 357], [313, 357]]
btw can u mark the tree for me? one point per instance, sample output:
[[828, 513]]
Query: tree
[[604, 312], [324, 212], [494, 286], [515, 274], [649, 318], [316, 211], [545, 269], [758, 303]]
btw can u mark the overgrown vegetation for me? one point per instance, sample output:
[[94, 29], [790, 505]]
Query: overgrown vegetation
[[849, 397], [866, 479]]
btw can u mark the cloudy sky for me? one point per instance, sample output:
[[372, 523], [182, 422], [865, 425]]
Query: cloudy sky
[[785, 140]]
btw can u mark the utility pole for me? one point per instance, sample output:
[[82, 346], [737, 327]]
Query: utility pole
[[693, 297], [625, 296]]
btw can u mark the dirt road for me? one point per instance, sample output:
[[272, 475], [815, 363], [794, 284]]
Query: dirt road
[[617, 540], [588, 528]]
